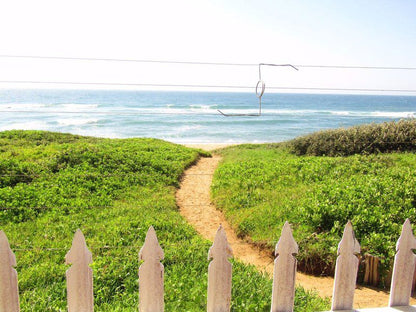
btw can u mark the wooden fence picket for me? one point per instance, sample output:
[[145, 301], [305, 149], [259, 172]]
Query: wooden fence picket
[[79, 278], [9, 292], [346, 270], [151, 274], [371, 275], [404, 267], [151, 290], [284, 274], [219, 274]]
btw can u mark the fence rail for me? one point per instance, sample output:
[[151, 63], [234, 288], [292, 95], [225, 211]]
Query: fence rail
[[79, 276]]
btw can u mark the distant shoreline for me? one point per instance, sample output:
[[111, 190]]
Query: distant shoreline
[[209, 146], [189, 117]]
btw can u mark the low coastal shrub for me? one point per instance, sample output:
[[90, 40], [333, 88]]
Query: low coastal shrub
[[259, 187], [113, 190], [395, 136]]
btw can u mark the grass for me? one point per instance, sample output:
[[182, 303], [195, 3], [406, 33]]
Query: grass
[[113, 190], [259, 187]]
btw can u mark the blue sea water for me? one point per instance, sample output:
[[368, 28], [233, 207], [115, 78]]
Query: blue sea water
[[192, 117]]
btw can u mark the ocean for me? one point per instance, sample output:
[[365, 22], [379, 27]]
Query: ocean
[[193, 117]]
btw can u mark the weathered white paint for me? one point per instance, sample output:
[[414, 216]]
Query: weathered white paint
[[151, 272], [404, 267], [346, 271], [79, 276], [284, 275], [9, 293], [219, 274], [386, 309], [80, 288]]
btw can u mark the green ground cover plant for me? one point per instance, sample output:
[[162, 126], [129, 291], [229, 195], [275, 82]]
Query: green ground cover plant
[[113, 190], [259, 187], [395, 136]]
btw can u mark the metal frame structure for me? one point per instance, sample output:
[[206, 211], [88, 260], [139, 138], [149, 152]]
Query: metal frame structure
[[259, 93]]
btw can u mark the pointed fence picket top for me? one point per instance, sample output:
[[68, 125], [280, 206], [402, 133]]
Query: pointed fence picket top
[[284, 272], [346, 270], [219, 274], [79, 276], [151, 274], [9, 292], [404, 267]]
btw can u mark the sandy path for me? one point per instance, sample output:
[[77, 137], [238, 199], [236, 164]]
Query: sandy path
[[193, 199]]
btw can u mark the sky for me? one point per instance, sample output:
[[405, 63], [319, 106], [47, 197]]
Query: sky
[[358, 33]]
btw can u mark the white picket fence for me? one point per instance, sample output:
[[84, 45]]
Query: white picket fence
[[151, 274]]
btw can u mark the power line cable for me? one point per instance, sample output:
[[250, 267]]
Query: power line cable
[[92, 175], [126, 84], [92, 247], [200, 62], [125, 60], [67, 248], [356, 67], [107, 113], [55, 208], [202, 86], [343, 89]]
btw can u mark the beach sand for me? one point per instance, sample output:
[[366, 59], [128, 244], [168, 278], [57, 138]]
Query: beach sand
[[195, 205], [209, 146]]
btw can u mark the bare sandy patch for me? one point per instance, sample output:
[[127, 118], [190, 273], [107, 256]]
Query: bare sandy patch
[[194, 201], [208, 146]]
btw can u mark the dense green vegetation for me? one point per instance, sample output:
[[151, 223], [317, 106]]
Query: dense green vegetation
[[393, 136], [113, 190], [259, 187]]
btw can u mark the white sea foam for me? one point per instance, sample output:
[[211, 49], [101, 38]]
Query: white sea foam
[[159, 115], [169, 111], [21, 106], [73, 107], [293, 111], [203, 107], [29, 125], [70, 107], [394, 114], [191, 109], [187, 128], [76, 121], [341, 113], [338, 113], [211, 109]]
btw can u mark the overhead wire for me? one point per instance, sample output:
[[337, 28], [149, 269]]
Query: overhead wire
[[356, 67], [115, 84], [53, 208], [204, 86], [74, 208], [92, 247], [126, 60], [175, 85], [304, 88], [40, 57], [92, 175]]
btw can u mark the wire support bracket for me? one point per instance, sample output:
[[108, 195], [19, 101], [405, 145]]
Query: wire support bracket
[[260, 88]]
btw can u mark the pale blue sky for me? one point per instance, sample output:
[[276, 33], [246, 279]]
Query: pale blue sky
[[365, 33]]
